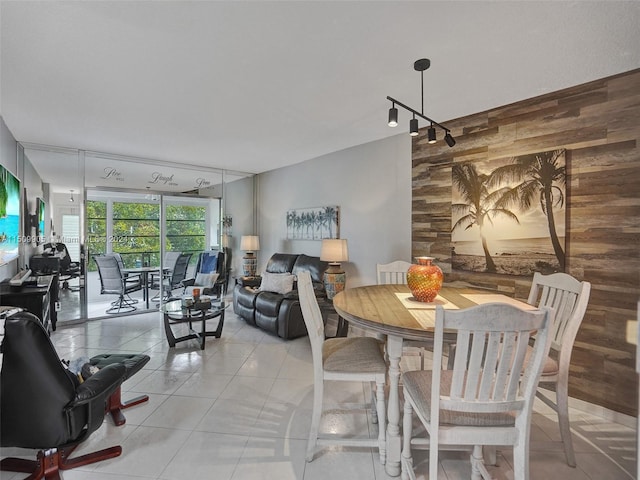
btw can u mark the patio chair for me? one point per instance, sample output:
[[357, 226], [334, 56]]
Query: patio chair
[[210, 274], [173, 279], [112, 282]]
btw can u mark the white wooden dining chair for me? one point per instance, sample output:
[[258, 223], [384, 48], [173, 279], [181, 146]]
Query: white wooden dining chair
[[482, 400], [392, 273], [351, 359], [396, 273], [569, 298]]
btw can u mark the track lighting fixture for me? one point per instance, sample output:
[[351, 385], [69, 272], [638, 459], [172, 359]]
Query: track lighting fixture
[[449, 139], [420, 66], [431, 134], [393, 116], [413, 127]]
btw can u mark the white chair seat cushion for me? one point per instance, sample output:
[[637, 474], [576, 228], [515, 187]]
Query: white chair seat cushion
[[353, 355], [418, 385]]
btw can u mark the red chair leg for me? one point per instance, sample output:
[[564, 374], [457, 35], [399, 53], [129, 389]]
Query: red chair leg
[[115, 406], [50, 462], [67, 463], [22, 465]]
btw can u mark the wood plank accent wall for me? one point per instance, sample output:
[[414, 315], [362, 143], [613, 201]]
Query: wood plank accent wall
[[598, 124]]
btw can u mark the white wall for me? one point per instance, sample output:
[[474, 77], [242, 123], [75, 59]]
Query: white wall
[[371, 184]]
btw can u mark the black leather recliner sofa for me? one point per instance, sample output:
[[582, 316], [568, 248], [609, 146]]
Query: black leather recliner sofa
[[279, 313]]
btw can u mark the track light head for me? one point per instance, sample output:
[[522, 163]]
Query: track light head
[[449, 139], [393, 116], [413, 127], [431, 134]]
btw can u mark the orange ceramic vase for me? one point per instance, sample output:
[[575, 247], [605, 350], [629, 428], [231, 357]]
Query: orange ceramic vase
[[424, 279]]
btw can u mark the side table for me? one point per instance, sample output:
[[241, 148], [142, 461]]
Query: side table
[[249, 281], [175, 313]]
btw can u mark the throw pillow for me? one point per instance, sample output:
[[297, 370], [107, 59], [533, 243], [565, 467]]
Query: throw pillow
[[277, 282], [206, 280], [209, 262]]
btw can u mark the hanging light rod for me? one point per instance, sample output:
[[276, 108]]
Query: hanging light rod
[[420, 66]]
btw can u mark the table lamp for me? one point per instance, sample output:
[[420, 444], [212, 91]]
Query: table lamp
[[334, 251], [250, 244]]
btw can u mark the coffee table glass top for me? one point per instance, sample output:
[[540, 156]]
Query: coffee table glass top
[[177, 307]]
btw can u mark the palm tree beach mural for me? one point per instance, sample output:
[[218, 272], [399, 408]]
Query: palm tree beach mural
[[508, 216], [313, 223]]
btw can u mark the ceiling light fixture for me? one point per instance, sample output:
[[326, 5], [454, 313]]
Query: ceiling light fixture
[[393, 116], [71, 196], [420, 66], [413, 127], [431, 134]]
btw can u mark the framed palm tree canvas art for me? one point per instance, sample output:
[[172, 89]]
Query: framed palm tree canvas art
[[313, 223], [508, 216]]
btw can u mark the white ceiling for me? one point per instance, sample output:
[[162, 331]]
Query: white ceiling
[[253, 86]]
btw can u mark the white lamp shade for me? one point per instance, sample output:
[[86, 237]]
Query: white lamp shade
[[334, 250], [250, 243]]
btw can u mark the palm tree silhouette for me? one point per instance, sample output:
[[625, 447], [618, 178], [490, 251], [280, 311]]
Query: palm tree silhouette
[[540, 175], [480, 205], [330, 216], [291, 216]]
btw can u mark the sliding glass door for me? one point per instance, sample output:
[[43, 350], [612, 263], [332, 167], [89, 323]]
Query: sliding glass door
[[126, 224], [141, 209]]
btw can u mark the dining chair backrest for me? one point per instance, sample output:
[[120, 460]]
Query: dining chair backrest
[[312, 318], [394, 272], [569, 298], [491, 353]]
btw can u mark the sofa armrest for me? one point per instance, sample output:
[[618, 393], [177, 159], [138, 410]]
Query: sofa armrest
[[249, 281]]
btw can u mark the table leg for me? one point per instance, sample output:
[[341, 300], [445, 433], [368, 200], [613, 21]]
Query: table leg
[[394, 351], [145, 290], [171, 339]]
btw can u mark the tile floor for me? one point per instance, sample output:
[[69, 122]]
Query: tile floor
[[241, 410]]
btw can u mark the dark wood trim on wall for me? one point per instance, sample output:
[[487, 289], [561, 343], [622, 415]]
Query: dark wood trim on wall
[[598, 124]]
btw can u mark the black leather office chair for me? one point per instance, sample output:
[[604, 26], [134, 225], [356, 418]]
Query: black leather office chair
[[43, 406], [68, 268], [112, 282]]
